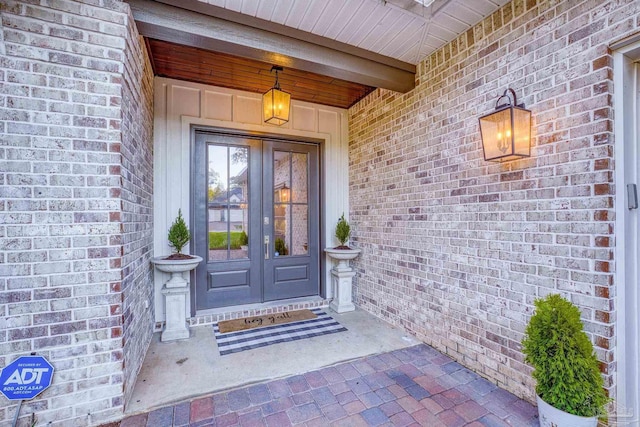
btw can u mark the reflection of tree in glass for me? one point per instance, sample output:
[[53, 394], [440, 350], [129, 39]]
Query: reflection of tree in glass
[[239, 155], [215, 185]]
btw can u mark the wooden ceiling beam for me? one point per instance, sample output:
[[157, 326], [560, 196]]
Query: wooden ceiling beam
[[272, 27], [195, 28]]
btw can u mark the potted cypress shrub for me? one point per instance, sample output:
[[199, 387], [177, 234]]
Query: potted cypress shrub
[[176, 288], [342, 274], [179, 236], [343, 232], [342, 253], [280, 247], [244, 241], [177, 263], [569, 386]]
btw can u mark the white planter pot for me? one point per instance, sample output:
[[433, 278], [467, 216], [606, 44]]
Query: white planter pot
[[342, 279], [175, 296], [552, 417], [176, 267], [343, 256]]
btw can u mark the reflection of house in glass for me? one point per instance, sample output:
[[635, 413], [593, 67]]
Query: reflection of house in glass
[[229, 206]]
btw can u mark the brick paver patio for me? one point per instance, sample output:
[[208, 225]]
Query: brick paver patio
[[416, 386]]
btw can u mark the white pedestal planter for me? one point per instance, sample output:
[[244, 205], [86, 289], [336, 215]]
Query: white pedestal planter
[[175, 296], [175, 312], [342, 279], [552, 417]]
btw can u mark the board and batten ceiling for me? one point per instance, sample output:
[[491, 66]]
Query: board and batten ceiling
[[334, 52]]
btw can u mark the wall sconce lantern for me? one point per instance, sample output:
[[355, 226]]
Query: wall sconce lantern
[[275, 103], [506, 133], [285, 194]]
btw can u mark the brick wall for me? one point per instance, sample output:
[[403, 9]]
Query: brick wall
[[70, 207], [136, 206], [456, 248]]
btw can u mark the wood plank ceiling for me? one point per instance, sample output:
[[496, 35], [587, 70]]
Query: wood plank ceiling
[[401, 29], [405, 30], [213, 68]]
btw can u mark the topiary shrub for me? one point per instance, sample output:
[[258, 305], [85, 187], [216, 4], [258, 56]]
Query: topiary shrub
[[565, 365], [343, 232], [179, 234]]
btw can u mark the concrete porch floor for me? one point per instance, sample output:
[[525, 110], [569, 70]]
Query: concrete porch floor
[[371, 375], [181, 370]]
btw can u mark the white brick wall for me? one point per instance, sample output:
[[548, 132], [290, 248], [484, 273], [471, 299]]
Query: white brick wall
[[455, 249], [74, 239], [137, 208]]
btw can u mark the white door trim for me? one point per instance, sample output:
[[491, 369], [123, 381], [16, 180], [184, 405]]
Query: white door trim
[[627, 320]]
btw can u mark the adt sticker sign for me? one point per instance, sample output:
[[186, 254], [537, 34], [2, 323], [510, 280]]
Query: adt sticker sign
[[25, 377]]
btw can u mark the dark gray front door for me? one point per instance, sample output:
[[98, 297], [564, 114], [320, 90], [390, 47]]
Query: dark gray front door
[[256, 209], [290, 220]]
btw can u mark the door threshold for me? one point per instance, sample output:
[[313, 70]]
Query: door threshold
[[213, 315]]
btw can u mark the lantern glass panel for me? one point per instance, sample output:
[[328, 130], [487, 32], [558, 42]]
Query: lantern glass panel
[[496, 134], [522, 131], [275, 104]]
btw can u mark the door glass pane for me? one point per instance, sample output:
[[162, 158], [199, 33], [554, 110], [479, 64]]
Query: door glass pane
[[299, 178], [299, 235], [239, 202], [281, 227], [227, 200], [282, 200], [290, 222], [281, 177]]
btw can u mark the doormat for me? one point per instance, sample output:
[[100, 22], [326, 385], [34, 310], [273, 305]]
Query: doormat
[[234, 342], [266, 320]]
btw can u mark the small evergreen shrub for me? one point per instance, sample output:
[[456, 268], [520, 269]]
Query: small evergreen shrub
[[343, 231], [565, 365], [280, 247], [244, 239], [179, 234]]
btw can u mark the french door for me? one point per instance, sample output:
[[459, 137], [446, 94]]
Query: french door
[[256, 204]]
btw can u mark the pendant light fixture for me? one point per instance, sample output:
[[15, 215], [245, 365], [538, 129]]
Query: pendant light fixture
[[276, 102]]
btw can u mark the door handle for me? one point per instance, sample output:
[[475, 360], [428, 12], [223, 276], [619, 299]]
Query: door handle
[[632, 196], [266, 247]]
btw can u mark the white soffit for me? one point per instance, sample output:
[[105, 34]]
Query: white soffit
[[408, 30]]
